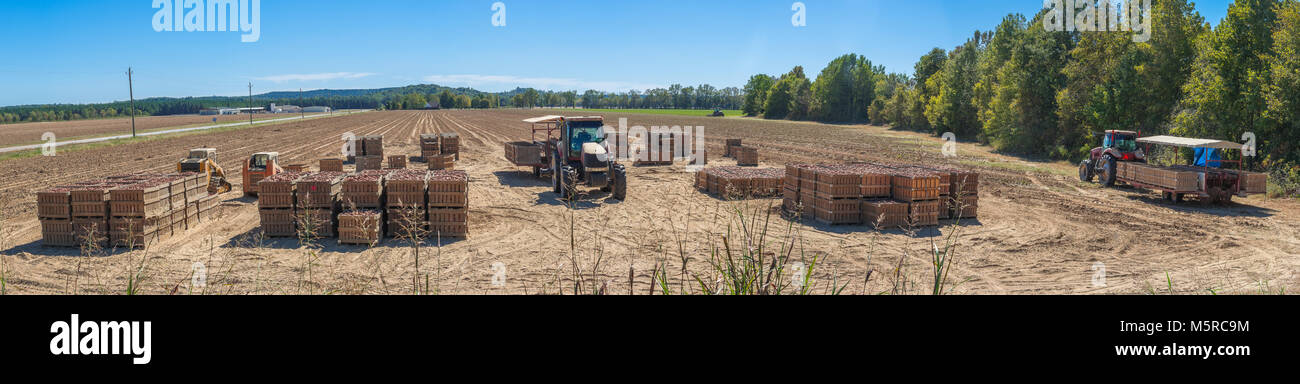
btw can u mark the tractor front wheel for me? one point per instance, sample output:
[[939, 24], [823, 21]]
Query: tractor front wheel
[[555, 175], [620, 182], [569, 182], [1108, 171], [1085, 171]]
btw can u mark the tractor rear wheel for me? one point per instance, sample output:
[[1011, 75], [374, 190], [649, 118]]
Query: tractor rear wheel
[[620, 183], [1108, 171], [1085, 171]]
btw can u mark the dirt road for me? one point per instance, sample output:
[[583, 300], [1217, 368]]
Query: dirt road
[[29, 133], [1040, 231]]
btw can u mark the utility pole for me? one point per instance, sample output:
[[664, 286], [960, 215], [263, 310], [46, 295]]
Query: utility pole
[[250, 103], [130, 83], [302, 108]]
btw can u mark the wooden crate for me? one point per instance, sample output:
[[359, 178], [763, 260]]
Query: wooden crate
[[280, 229], [396, 162], [523, 153], [731, 144], [441, 162], [884, 213], [837, 217], [360, 236], [747, 156], [448, 181], [136, 225], [139, 208], [968, 208], [279, 183], [90, 209], [369, 163], [453, 230], [53, 211], [318, 189], [924, 213], [448, 215], [331, 165], [448, 199], [276, 216], [276, 200]]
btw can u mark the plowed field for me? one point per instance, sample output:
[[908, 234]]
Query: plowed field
[[1040, 231]]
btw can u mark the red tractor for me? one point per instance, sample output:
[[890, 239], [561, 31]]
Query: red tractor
[[1116, 146]]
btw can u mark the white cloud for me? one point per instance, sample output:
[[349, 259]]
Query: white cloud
[[546, 83], [315, 76]]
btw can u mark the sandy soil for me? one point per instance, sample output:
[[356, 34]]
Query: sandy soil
[[30, 133], [1040, 231]]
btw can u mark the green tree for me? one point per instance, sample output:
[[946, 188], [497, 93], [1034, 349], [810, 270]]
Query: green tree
[[1022, 113], [756, 94], [950, 108], [1278, 145], [1224, 97], [992, 58], [1175, 28], [1103, 91], [845, 89]]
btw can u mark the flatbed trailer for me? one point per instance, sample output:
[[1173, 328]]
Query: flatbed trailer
[[535, 153], [1209, 184]]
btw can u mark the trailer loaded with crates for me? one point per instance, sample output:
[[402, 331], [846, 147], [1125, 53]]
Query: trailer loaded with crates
[[1208, 182]]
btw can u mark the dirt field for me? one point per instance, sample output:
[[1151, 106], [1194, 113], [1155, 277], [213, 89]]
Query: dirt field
[[29, 133], [1040, 231]]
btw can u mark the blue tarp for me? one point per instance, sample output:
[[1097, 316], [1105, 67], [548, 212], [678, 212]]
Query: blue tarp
[[1208, 157]]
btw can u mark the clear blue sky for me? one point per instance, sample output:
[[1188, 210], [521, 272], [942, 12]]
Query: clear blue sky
[[65, 51]]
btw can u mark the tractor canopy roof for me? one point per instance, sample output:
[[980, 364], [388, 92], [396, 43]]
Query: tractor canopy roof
[[1186, 142], [557, 119], [1118, 132]]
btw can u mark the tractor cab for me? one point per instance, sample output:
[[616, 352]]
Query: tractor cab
[[576, 132], [197, 157], [261, 161], [258, 167], [1116, 146], [1123, 144]]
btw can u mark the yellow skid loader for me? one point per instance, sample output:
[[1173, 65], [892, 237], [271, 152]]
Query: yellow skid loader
[[204, 161]]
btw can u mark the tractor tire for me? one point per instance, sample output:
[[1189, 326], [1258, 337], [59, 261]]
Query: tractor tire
[[620, 183], [1085, 171], [555, 175], [537, 172], [1218, 196], [569, 182], [1108, 171]]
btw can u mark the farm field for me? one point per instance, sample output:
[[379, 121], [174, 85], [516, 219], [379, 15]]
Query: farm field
[[671, 112], [1040, 231], [30, 133]]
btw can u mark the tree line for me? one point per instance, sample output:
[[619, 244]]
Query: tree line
[[410, 97], [1026, 90]]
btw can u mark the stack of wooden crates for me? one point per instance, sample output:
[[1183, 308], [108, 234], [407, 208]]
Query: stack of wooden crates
[[884, 196], [131, 210], [370, 152]]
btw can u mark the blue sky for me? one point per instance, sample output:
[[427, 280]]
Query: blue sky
[[64, 51]]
